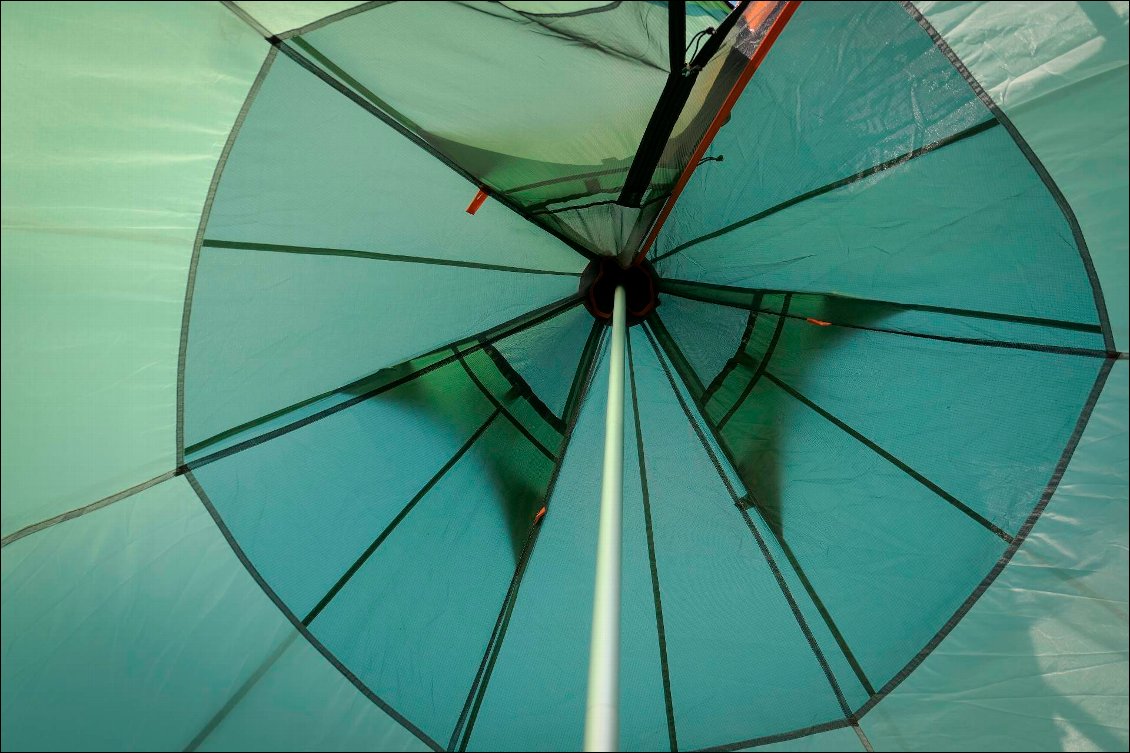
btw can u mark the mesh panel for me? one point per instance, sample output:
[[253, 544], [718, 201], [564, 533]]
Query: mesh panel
[[273, 324], [564, 158], [471, 99], [312, 169], [705, 83]]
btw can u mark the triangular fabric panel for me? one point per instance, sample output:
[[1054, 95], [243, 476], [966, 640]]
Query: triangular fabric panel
[[416, 619], [306, 504], [946, 408], [708, 335], [887, 557], [546, 355], [387, 497], [933, 203], [545, 651], [810, 400], [921, 320], [269, 330], [273, 323], [864, 85], [727, 621], [316, 170], [912, 396]]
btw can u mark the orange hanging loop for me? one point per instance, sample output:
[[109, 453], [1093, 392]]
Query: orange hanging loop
[[477, 202]]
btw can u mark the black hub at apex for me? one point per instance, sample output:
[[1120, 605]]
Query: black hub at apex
[[603, 275]]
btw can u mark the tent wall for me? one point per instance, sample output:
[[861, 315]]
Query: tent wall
[[1041, 662], [133, 626], [136, 627], [108, 158]]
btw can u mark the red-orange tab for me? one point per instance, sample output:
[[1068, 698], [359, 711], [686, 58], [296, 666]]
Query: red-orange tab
[[540, 515], [818, 322], [477, 202]]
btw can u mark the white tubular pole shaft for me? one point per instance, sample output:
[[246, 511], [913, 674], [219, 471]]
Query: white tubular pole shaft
[[602, 722]]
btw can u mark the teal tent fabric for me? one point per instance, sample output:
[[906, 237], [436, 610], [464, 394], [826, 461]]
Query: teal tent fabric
[[301, 450]]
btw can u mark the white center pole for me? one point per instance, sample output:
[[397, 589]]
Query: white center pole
[[602, 723]]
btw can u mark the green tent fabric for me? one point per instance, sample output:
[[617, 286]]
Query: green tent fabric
[[301, 450]]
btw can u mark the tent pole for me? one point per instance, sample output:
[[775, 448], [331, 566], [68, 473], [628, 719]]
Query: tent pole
[[602, 724]]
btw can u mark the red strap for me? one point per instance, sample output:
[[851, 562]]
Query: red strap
[[818, 322], [477, 202], [540, 515]]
